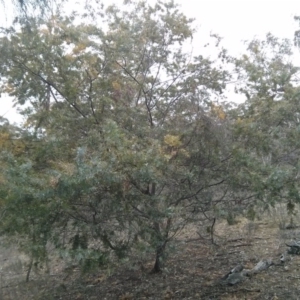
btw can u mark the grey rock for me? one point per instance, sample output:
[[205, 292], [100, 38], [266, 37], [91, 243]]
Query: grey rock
[[262, 265], [235, 278], [237, 269], [285, 257], [294, 244], [294, 247], [247, 272]]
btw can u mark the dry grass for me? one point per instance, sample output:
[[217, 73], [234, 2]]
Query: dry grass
[[193, 271]]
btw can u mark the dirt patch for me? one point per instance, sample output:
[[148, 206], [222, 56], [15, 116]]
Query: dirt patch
[[192, 272]]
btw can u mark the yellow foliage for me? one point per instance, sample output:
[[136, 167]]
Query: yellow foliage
[[64, 167], [4, 137], [244, 122], [218, 111], [17, 146], [116, 85], [53, 181], [69, 57], [44, 31], [9, 88], [172, 140], [79, 48], [93, 72], [184, 152]]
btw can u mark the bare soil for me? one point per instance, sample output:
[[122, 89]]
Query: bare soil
[[193, 271]]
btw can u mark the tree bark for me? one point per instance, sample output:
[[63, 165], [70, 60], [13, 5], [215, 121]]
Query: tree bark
[[161, 247], [160, 250], [29, 269]]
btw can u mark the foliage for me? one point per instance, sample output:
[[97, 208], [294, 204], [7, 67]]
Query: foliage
[[267, 123], [130, 152], [124, 142], [26, 7]]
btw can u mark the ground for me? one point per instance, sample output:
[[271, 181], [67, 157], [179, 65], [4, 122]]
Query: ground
[[193, 271]]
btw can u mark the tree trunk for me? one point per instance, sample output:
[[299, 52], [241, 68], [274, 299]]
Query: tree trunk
[[29, 269], [160, 250], [161, 247]]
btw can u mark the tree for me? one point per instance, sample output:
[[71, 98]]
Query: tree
[[267, 123], [131, 147], [26, 6], [297, 33]]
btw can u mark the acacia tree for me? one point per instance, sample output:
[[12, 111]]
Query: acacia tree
[[132, 146], [266, 127], [25, 7]]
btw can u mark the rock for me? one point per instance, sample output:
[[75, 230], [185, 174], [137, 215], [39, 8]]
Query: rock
[[294, 244], [290, 226], [294, 247], [235, 278], [285, 257], [237, 269], [262, 265], [247, 272]]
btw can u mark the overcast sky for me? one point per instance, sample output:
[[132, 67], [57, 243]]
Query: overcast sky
[[234, 20], [238, 20]]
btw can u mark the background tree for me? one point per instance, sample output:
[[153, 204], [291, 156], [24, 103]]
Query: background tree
[[25, 7], [266, 126]]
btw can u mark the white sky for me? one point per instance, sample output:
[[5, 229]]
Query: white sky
[[234, 20], [238, 20]]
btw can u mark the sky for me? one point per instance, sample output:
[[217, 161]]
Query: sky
[[242, 19], [234, 20]]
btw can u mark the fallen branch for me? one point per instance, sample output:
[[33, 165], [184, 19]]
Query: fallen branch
[[246, 290], [238, 274], [235, 240], [241, 245]]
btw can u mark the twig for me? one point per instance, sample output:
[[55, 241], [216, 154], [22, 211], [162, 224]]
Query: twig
[[247, 290], [212, 231], [235, 240], [233, 252], [241, 245]]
